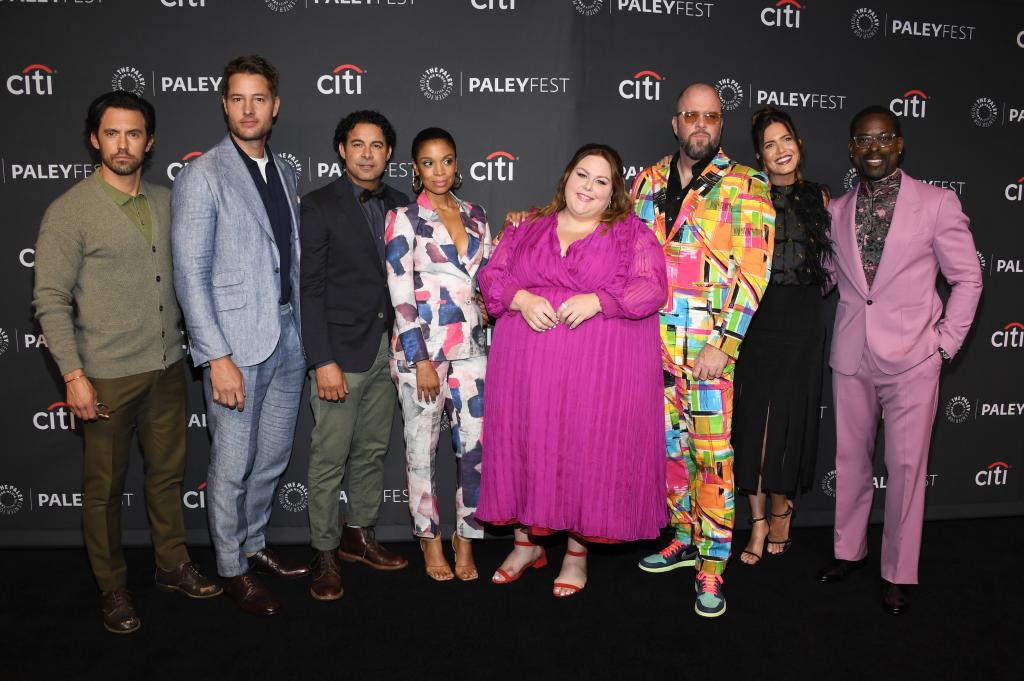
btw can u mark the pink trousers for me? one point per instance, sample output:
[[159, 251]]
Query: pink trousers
[[907, 402]]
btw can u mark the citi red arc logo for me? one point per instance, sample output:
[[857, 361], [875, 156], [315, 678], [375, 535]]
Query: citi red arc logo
[[1015, 190], [195, 498], [174, 168], [783, 14], [911, 104], [344, 79], [34, 79], [996, 473], [1011, 336], [58, 416], [497, 166], [645, 85]]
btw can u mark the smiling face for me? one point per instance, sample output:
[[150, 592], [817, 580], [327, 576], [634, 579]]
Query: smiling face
[[250, 107], [366, 153], [698, 138], [780, 154], [122, 140], [588, 189], [436, 165], [875, 161]]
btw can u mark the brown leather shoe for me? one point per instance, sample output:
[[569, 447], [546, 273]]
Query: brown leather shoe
[[251, 596], [269, 562], [895, 599], [360, 544], [118, 612], [188, 580], [326, 584]]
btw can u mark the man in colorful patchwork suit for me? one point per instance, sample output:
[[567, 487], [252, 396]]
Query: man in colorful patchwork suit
[[715, 221]]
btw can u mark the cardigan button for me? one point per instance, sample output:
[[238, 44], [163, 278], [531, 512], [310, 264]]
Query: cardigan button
[[870, 302]]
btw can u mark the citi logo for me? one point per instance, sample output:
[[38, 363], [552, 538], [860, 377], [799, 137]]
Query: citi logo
[[174, 168], [345, 79], [783, 14], [195, 498], [730, 93], [493, 4], [58, 416], [1015, 190], [864, 23], [996, 473], [911, 104], [11, 500], [644, 85], [27, 257], [1011, 336], [183, 3], [958, 409], [498, 166], [34, 79]]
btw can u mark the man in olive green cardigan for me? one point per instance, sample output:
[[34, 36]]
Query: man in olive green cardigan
[[105, 299]]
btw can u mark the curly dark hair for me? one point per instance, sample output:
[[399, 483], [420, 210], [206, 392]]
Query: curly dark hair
[[350, 121]]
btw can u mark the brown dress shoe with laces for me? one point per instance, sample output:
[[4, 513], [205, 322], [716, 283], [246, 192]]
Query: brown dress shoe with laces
[[250, 595], [118, 612], [269, 562], [360, 544], [326, 584], [187, 579]]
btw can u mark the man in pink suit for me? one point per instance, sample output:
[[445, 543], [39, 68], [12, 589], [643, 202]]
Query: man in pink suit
[[892, 235]]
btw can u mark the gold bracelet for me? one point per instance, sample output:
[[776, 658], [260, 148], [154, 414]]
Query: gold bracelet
[[75, 378]]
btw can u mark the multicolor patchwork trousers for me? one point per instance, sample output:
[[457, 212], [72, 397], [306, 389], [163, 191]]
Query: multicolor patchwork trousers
[[698, 426], [462, 398]]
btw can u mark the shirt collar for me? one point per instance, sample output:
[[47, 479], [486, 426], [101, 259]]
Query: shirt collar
[[116, 195], [888, 183], [249, 160]]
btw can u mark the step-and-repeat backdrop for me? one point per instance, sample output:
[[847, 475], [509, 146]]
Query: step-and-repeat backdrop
[[520, 84]]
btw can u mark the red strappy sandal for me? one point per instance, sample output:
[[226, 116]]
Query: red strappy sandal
[[573, 589], [540, 562]]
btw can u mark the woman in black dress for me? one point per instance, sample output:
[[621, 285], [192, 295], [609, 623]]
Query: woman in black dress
[[778, 376]]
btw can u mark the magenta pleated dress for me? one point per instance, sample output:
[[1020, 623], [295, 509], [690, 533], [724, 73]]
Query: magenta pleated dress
[[574, 432]]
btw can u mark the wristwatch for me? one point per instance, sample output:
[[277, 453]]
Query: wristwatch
[[944, 354]]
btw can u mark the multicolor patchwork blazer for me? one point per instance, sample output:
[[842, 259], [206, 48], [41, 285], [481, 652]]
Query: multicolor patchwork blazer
[[718, 254], [433, 288]]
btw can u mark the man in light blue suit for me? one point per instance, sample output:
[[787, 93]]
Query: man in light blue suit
[[235, 240]]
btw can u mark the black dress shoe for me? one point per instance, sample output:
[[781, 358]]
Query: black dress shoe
[[250, 595], [894, 598], [118, 612], [838, 569], [269, 562]]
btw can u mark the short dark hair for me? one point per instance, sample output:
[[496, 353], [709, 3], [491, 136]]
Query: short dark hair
[[350, 121], [429, 135], [876, 109], [119, 99], [253, 64]]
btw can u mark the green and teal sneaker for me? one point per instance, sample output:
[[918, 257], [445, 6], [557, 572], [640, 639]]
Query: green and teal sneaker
[[710, 595], [675, 555]]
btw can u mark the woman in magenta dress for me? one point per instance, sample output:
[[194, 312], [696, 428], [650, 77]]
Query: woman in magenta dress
[[573, 421]]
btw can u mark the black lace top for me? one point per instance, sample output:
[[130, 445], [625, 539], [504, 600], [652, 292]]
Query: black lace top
[[802, 228]]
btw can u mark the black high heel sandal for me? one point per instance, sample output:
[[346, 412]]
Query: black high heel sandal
[[758, 556], [785, 543]]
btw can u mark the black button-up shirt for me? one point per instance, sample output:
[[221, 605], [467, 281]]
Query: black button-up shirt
[[676, 192], [373, 210]]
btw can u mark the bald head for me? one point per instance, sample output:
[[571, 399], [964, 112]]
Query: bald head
[[701, 90], [698, 135]]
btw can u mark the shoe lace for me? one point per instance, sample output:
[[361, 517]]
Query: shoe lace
[[710, 583], [674, 545], [325, 566]]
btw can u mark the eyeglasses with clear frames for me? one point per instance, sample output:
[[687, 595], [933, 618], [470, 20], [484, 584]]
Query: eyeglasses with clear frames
[[885, 140], [710, 117]]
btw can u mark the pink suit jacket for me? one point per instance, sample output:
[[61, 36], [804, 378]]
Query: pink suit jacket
[[900, 317]]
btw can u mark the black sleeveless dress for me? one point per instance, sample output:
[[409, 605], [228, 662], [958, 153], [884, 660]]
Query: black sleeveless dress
[[778, 374]]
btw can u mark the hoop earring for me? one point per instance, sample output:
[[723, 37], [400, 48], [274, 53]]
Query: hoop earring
[[458, 180], [417, 183]]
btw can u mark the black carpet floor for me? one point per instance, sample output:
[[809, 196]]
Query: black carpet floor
[[966, 620]]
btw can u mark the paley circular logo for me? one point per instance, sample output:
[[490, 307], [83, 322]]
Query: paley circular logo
[[984, 112], [958, 409], [588, 8], [730, 93], [436, 83], [864, 23], [982, 261], [828, 483], [280, 5], [293, 161], [11, 500], [129, 79], [5, 341], [850, 179], [293, 497]]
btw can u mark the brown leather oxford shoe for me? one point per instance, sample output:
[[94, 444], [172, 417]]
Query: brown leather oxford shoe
[[250, 595], [360, 544], [269, 562], [118, 612], [187, 579], [326, 584]]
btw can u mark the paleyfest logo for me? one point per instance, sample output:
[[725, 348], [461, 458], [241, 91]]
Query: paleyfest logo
[[984, 112], [864, 23], [129, 79], [11, 500], [436, 83], [5, 342], [293, 497], [293, 161], [850, 179], [958, 409], [588, 8], [280, 5], [174, 168], [730, 93]]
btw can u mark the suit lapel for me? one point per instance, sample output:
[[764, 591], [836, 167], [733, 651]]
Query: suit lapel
[[352, 219], [906, 215], [238, 176], [847, 241], [695, 198]]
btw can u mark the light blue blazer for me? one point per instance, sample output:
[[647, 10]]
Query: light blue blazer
[[226, 261]]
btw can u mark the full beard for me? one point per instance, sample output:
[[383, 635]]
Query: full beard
[[698, 149]]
